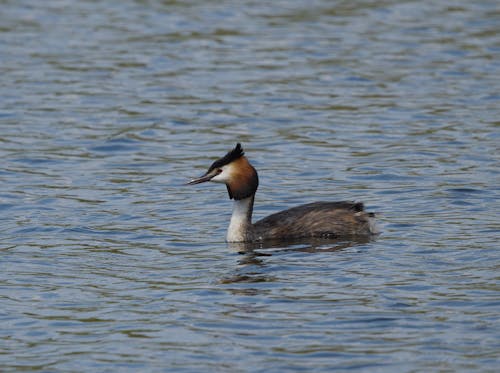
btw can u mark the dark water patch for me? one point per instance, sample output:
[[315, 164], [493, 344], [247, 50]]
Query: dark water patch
[[465, 191], [116, 145]]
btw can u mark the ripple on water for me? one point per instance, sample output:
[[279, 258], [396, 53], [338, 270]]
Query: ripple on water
[[110, 263]]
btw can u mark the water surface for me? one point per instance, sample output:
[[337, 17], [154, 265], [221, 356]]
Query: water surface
[[110, 263]]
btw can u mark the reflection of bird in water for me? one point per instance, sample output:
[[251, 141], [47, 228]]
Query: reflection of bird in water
[[251, 250], [251, 264], [343, 219]]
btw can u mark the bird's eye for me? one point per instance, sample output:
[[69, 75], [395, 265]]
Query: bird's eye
[[219, 170]]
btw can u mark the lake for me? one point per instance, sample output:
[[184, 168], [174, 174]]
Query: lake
[[109, 262]]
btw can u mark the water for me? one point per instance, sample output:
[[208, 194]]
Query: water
[[109, 263]]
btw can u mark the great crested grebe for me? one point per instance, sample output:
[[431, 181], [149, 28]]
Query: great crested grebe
[[345, 219]]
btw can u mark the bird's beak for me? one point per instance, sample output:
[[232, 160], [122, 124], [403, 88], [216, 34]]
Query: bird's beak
[[202, 179]]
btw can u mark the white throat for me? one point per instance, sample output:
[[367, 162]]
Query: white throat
[[240, 227]]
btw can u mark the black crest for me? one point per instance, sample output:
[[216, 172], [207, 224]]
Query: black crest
[[232, 155]]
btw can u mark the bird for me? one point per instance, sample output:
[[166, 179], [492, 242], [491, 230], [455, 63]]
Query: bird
[[329, 220]]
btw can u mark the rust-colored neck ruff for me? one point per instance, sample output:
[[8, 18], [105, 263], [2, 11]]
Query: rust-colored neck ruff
[[243, 180]]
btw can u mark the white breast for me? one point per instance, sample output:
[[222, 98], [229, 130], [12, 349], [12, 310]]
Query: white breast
[[240, 225]]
